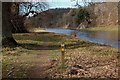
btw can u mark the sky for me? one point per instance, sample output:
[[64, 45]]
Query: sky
[[62, 4], [71, 3]]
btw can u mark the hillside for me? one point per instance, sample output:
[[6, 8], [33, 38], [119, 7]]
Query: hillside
[[106, 14], [101, 15]]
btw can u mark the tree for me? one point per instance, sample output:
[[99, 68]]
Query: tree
[[25, 9], [9, 10], [7, 37], [82, 15]]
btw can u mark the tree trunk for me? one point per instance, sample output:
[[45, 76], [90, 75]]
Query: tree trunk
[[7, 38]]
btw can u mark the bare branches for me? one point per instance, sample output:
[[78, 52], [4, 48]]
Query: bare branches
[[33, 8], [80, 3]]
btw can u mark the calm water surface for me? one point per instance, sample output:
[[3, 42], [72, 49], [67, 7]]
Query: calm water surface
[[101, 37]]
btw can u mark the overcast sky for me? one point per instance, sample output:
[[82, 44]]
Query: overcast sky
[[71, 3], [62, 3]]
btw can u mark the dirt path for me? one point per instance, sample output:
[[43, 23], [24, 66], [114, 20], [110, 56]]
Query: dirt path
[[42, 62]]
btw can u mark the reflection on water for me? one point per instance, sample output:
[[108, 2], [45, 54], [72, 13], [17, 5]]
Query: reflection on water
[[101, 37]]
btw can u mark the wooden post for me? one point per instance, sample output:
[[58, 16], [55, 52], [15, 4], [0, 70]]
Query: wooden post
[[62, 54]]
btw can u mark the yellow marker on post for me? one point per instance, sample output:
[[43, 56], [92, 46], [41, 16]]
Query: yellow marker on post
[[62, 49], [63, 55]]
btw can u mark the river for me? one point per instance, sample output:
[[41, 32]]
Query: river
[[101, 37]]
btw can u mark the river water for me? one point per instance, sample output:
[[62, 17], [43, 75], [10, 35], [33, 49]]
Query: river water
[[101, 37]]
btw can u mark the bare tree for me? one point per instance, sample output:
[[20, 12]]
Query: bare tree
[[7, 37], [10, 9], [80, 3], [33, 8]]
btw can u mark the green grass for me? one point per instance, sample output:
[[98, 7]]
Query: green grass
[[102, 29]]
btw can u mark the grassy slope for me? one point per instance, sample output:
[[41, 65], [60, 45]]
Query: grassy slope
[[83, 58]]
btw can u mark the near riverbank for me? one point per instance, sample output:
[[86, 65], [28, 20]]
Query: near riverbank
[[38, 56], [116, 28]]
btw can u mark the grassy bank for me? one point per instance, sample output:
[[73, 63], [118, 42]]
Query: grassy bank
[[82, 58], [102, 28], [113, 28]]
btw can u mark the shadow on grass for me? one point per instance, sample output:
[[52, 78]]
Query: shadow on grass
[[40, 47], [42, 32], [44, 37], [79, 44], [39, 36]]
